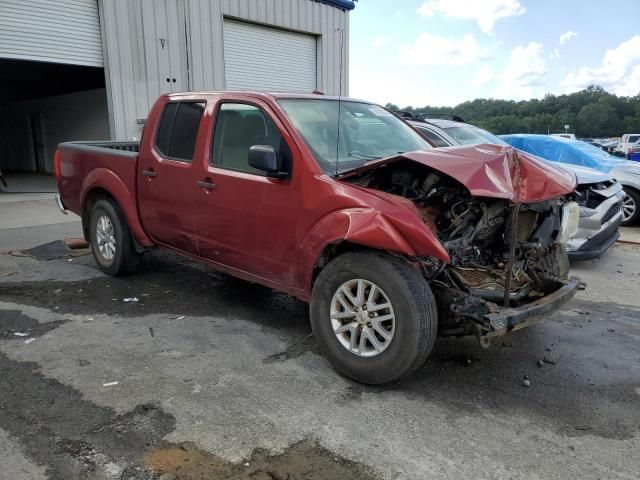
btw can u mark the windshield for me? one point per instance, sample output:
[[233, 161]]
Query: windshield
[[365, 132], [470, 135]]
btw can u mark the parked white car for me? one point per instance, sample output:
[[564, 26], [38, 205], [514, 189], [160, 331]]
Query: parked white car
[[626, 142]]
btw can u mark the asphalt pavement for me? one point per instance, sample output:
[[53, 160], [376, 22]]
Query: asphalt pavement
[[207, 376]]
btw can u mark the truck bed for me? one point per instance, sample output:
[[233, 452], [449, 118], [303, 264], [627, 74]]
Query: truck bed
[[82, 163], [121, 146]]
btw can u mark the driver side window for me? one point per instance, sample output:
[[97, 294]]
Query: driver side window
[[240, 126]]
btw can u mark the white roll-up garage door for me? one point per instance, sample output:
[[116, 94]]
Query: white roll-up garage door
[[64, 31], [268, 59]]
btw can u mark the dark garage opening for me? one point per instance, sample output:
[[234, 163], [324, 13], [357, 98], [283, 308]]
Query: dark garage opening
[[43, 104]]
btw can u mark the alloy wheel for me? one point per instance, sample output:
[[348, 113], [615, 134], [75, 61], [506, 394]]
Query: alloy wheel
[[362, 317], [628, 208], [105, 237]]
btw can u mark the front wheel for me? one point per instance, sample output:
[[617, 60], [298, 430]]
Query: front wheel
[[374, 316], [631, 207], [110, 239]]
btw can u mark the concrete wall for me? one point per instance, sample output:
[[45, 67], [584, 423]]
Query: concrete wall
[[76, 116]]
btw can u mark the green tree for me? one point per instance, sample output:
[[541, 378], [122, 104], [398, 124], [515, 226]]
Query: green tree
[[592, 112], [597, 119]]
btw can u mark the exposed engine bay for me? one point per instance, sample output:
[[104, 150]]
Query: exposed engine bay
[[494, 245]]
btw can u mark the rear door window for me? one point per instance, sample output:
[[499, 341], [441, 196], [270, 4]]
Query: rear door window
[[178, 130]]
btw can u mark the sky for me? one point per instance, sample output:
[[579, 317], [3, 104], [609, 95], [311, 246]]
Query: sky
[[444, 52]]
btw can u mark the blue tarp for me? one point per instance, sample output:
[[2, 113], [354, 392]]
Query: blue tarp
[[563, 150], [344, 4]]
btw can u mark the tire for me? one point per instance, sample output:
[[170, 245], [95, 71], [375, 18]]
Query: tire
[[412, 332], [631, 207], [107, 217]]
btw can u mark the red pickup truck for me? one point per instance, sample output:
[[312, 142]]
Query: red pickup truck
[[342, 204]]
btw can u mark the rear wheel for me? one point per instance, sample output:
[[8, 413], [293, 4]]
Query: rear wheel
[[374, 316], [111, 240], [631, 207]]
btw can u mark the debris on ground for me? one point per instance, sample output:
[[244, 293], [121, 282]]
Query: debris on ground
[[526, 382], [29, 340], [130, 299], [550, 362], [20, 334], [151, 331], [76, 243], [110, 384], [540, 363]]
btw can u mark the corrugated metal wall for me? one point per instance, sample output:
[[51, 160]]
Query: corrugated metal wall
[[149, 41], [60, 31]]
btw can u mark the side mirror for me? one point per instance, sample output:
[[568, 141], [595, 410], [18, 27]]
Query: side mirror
[[264, 158]]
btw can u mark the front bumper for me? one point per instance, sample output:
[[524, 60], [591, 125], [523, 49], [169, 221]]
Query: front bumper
[[511, 319], [598, 232]]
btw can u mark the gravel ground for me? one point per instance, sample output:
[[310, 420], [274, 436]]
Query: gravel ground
[[219, 378]]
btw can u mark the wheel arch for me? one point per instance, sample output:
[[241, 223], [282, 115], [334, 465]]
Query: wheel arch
[[355, 229], [103, 183]]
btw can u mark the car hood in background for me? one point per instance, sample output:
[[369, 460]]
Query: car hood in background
[[490, 171], [587, 175]]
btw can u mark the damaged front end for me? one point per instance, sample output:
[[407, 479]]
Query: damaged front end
[[508, 265]]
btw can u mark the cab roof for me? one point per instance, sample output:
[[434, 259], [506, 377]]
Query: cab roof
[[263, 95]]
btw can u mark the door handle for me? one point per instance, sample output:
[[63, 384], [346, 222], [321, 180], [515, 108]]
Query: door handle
[[207, 184], [150, 173]]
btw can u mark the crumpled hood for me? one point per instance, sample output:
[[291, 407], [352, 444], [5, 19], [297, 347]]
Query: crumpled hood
[[491, 171]]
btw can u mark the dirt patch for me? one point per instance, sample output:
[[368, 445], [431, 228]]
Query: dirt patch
[[304, 460], [72, 437], [77, 439]]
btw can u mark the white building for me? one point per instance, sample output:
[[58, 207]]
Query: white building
[[90, 69]]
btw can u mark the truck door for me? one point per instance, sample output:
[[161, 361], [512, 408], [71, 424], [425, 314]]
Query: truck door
[[246, 220], [167, 177]]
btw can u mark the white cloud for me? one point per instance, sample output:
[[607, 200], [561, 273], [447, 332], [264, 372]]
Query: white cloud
[[431, 49], [368, 82], [483, 75], [618, 73], [524, 75], [380, 41], [566, 36], [554, 54], [485, 12]]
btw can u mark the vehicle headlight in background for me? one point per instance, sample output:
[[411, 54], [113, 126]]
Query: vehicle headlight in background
[[569, 223]]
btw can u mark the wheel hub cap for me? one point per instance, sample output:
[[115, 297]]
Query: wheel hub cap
[[362, 317], [105, 237], [628, 208]]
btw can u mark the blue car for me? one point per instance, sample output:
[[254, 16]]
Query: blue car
[[576, 152]]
